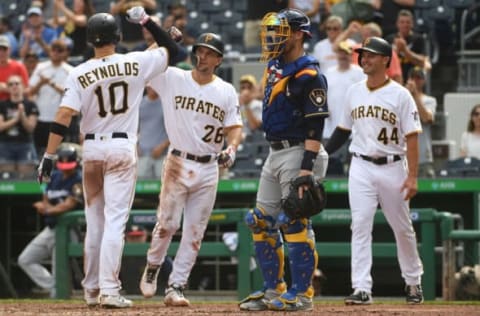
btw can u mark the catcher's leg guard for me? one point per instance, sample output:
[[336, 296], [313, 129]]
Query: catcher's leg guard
[[268, 248], [270, 257], [302, 255]]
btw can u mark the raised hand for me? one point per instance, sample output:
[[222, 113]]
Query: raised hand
[[137, 15], [175, 34]]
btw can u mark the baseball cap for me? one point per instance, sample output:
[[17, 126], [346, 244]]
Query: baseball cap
[[34, 10], [4, 42], [344, 46], [416, 72], [248, 78]]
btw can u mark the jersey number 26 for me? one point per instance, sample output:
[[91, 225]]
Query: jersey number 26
[[213, 134]]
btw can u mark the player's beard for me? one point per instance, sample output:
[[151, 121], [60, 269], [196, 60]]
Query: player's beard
[[202, 68]]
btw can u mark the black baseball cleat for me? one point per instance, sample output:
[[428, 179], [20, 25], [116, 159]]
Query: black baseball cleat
[[414, 294], [359, 298]]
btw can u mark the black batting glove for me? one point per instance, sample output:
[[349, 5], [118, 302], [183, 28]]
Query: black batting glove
[[45, 168], [226, 158]]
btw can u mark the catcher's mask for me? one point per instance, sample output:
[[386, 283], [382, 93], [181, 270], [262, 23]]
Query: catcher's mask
[[276, 29]]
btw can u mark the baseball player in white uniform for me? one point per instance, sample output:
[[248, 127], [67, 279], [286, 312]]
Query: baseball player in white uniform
[[107, 91], [201, 111], [382, 117]]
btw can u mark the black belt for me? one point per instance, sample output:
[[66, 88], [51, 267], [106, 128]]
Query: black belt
[[202, 159], [114, 135], [283, 144], [378, 160]]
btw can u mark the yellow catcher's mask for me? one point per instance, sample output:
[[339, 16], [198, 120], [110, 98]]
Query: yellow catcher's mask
[[274, 32]]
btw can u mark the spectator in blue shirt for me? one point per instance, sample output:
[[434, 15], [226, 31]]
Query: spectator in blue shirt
[[36, 36], [152, 139]]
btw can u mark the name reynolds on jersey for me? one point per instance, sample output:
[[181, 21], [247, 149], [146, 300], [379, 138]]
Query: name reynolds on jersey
[[108, 71], [374, 111], [189, 103]]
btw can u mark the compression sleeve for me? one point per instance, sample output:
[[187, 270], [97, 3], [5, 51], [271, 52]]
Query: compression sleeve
[[338, 138], [315, 126], [162, 38]]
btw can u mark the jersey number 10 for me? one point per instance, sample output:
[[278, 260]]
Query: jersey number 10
[[122, 85]]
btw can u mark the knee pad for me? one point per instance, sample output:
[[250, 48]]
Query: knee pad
[[258, 221], [303, 257]]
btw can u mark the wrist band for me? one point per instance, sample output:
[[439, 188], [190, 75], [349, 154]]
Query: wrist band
[[50, 156], [308, 160]]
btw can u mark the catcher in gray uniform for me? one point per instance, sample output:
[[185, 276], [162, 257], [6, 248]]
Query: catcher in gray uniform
[[294, 109]]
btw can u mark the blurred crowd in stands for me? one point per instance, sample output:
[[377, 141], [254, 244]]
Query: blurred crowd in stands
[[41, 41]]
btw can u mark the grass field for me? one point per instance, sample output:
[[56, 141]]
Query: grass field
[[323, 307]]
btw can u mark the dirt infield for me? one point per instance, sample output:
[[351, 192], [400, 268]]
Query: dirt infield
[[141, 308]]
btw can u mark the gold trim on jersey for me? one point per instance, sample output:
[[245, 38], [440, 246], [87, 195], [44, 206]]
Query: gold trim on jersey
[[387, 81], [307, 71], [344, 128], [278, 88], [418, 131]]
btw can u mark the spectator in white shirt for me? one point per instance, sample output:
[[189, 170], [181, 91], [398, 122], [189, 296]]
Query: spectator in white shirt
[[340, 78]]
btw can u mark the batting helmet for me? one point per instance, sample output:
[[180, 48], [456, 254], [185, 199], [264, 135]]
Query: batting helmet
[[102, 29], [67, 157], [210, 40], [376, 45]]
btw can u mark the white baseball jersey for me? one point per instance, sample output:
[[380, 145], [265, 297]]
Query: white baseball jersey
[[211, 106], [48, 99], [379, 119], [107, 91], [338, 82]]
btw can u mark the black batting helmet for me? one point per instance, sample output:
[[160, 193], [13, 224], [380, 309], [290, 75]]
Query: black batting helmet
[[67, 157], [297, 20], [102, 29], [210, 40], [376, 45]]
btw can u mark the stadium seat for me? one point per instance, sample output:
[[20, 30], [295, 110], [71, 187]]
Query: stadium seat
[[196, 18], [213, 6], [459, 4], [427, 4], [240, 6], [234, 32], [100, 5], [209, 27], [440, 13], [227, 17], [461, 167]]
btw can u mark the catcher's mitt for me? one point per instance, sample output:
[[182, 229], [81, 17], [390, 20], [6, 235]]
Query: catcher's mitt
[[312, 203]]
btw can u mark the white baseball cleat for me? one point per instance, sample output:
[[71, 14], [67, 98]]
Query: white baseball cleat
[[114, 301], [91, 297], [174, 296], [148, 283]]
